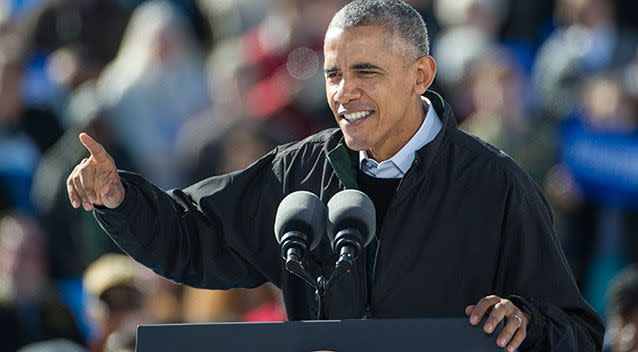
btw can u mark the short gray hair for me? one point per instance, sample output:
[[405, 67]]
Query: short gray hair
[[402, 19]]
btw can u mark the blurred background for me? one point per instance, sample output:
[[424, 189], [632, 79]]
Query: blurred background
[[181, 90]]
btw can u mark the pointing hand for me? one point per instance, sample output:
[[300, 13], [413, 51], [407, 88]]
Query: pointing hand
[[95, 180]]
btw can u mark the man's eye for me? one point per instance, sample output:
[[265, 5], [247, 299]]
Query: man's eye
[[367, 73], [332, 76]]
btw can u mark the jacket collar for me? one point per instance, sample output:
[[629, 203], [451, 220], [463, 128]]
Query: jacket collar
[[344, 161]]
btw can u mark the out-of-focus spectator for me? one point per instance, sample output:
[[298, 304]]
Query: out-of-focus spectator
[[96, 25], [596, 186], [41, 125], [124, 294], [19, 152], [86, 33], [67, 68], [200, 22], [469, 32], [154, 85], [498, 103], [482, 15], [527, 22], [273, 69], [500, 113], [589, 41], [24, 132], [229, 19], [29, 309], [117, 299], [17, 165], [593, 186], [622, 306]]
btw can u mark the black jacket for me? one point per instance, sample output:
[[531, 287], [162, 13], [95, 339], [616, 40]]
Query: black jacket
[[465, 222]]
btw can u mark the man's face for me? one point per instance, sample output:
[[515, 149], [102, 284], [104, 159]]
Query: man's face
[[372, 89], [22, 258]]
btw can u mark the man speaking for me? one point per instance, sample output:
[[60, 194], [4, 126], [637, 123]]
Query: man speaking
[[461, 228]]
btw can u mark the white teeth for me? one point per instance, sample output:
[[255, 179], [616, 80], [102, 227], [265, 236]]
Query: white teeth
[[356, 115]]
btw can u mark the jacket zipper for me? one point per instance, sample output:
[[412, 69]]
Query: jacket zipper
[[368, 311]]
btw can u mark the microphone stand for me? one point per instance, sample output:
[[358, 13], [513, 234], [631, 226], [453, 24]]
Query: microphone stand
[[294, 264]]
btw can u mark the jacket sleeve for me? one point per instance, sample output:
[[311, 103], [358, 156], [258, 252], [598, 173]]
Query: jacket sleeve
[[533, 273], [214, 234]]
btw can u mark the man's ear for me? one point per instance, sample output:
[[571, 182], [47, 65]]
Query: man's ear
[[426, 70]]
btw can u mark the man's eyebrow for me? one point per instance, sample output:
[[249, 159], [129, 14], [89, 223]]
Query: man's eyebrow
[[357, 66], [365, 66]]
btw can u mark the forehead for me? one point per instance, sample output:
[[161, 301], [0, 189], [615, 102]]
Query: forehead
[[365, 43]]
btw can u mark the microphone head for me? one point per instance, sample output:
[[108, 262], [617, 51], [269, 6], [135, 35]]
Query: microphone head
[[301, 211], [351, 209]]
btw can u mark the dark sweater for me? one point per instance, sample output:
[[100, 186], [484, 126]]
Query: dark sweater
[[381, 191]]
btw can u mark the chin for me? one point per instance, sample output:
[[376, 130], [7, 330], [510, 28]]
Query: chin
[[354, 144]]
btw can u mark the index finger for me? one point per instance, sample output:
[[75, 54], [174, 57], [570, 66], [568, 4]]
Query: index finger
[[482, 307], [95, 148]]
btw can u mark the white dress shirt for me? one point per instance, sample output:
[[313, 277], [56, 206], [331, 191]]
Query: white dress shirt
[[399, 163]]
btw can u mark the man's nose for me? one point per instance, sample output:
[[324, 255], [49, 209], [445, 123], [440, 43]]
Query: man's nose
[[347, 91]]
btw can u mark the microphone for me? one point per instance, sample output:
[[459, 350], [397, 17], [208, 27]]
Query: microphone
[[351, 226], [299, 226]]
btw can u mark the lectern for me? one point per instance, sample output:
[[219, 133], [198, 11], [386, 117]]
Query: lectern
[[431, 334]]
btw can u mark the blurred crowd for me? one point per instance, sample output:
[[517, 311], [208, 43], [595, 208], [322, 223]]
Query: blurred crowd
[[184, 89]]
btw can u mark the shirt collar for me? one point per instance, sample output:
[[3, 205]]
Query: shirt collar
[[400, 162]]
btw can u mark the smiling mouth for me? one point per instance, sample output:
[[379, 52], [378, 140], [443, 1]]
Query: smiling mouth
[[355, 116]]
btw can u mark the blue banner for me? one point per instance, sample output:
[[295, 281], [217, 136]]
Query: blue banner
[[604, 164]]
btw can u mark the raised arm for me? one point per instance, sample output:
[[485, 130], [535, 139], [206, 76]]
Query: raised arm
[[214, 234]]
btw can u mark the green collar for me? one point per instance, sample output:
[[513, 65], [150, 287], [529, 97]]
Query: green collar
[[343, 162]]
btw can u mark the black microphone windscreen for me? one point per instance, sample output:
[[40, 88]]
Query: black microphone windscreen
[[301, 211], [351, 208]]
